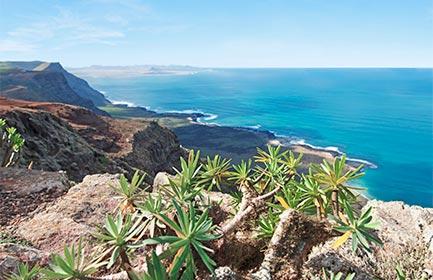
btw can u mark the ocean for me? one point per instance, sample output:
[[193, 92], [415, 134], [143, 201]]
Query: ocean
[[383, 116]]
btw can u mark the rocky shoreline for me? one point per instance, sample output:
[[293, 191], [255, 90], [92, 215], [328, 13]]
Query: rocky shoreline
[[234, 142]]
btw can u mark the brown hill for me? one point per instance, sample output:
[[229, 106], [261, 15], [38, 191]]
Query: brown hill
[[74, 139]]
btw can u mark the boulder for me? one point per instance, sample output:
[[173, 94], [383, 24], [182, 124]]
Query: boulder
[[12, 254], [75, 215], [161, 179], [406, 233], [22, 191]]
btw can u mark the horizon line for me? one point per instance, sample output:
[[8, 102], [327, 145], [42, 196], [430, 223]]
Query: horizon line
[[230, 67], [261, 67]]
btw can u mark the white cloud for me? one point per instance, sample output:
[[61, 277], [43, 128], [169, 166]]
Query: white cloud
[[37, 31], [64, 29], [15, 46]]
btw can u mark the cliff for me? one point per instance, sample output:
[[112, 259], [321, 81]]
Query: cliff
[[47, 82], [80, 142]]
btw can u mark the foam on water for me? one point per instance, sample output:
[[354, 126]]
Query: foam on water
[[123, 102]]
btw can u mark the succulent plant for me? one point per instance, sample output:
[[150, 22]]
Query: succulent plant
[[121, 234], [267, 224], [313, 194], [185, 186], [358, 228], [129, 193], [215, 171], [191, 230], [24, 272], [72, 265], [292, 163], [335, 177], [150, 208], [155, 270]]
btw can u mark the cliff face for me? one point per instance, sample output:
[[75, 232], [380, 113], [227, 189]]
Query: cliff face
[[62, 137], [52, 145], [149, 152], [48, 82], [80, 86]]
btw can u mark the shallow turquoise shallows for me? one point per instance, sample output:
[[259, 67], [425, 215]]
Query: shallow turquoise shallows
[[380, 115]]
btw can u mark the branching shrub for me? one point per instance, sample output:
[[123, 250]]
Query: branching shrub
[[11, 143]]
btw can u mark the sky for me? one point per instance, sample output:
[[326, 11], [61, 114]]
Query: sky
[[223, 33]]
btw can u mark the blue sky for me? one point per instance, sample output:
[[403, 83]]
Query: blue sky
[[232, 33]]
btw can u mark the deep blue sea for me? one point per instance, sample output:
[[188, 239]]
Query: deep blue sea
[[383, 116]]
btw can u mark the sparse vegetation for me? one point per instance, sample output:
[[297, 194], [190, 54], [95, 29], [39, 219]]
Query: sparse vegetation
[[176, 229], [74, 264], [25, 273], [11, 143], [358, 229]]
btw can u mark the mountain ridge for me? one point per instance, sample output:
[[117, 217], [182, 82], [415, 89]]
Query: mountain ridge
[[48, 82]]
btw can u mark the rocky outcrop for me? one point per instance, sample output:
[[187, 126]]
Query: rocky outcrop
[[80, 86], [22, 191], [154, 149], [53, 145], [75, 215], [407, 236], [74, 139], [299, 249]]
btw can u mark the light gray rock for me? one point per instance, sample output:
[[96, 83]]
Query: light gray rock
[[74, 215], [161, 179], [406, 233], [224, 273], [12, 254]]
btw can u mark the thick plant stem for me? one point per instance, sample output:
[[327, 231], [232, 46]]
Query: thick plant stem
[[251, 205], [271, 253], [126, 264], [318, 212], [335, 205]]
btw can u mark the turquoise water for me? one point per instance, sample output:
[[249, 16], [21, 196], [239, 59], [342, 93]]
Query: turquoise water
[[380, 115]]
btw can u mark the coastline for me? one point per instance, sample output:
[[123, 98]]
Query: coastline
[[298, 145], [193, 130]]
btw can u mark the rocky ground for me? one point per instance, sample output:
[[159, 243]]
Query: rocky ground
[[22, 191], [304, 248]]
